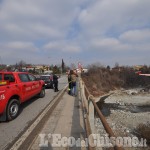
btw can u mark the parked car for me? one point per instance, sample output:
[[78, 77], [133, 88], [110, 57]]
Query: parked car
[[48, 79], [16, 88]]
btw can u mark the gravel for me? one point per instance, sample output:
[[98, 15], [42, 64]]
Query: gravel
[[124, 111]]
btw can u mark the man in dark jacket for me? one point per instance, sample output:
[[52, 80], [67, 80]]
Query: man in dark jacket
[[55, 81], [70, 83]]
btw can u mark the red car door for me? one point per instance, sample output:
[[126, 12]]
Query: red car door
[[35, 84], [26, 86]]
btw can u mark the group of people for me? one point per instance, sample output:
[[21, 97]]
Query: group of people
[[72, 81], [72, 78]]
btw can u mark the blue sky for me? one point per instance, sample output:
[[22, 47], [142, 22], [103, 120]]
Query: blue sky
[[86, 31]]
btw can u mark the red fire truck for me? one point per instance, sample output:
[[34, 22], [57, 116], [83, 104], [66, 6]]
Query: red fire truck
[[16, 88]]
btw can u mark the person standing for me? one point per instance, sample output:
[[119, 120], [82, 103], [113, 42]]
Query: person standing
[[55, 82], [73, 81], [69, 83]]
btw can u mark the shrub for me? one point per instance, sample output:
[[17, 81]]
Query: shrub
[[105, 79], [144, 131]]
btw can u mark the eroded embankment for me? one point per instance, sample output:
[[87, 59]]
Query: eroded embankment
[[100, 80]]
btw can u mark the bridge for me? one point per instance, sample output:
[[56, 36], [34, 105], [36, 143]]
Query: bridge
[[64, 122]]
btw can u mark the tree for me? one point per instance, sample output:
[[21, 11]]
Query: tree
[[56, 70], [108, 67], [9, 68], [62, 65], [21, 64]]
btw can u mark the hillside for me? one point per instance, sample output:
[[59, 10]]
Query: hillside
[[101, 80]]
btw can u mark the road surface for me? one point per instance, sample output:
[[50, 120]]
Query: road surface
[[10, 131]]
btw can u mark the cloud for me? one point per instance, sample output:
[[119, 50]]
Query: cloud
[[17, 51], [114, 16], [20, 46], [63, 46], [125, 43], [81, 29], [37, 19], [136, 36], [107, 42], [71, 48]]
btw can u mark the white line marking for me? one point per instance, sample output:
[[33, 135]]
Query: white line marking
[[19, 142]]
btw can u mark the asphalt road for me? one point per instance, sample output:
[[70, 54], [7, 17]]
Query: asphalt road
[[10, 131]]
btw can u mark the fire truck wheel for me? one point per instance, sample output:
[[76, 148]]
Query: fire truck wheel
[[12, 109], [42, 93]]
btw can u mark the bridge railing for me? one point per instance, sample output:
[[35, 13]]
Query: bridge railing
[[89, 107]]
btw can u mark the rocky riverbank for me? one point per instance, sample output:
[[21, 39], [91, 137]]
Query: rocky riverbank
[[125, 110]]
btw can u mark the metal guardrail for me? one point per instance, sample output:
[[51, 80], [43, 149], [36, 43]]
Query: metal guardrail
[[89, 105]]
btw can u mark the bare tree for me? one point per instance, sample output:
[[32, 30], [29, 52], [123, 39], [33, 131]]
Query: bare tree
[[21, 64], [73, 66]]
